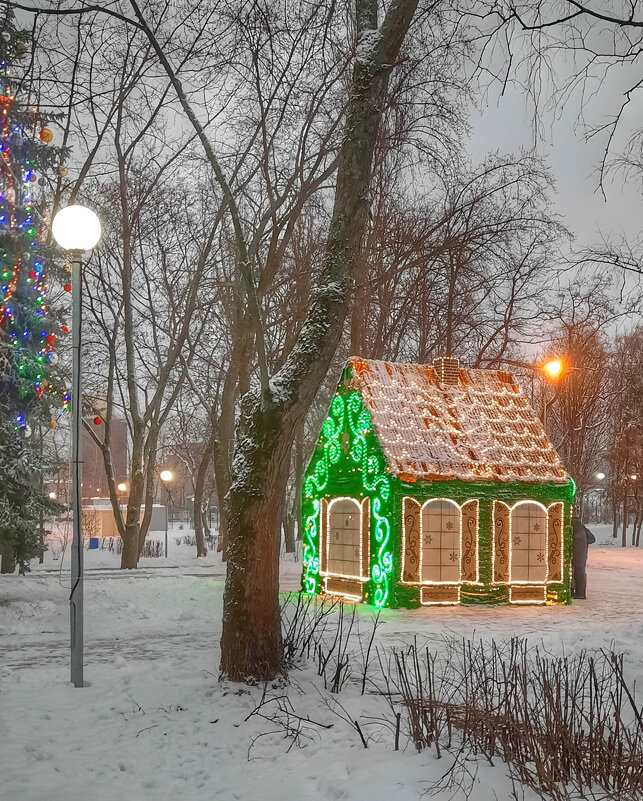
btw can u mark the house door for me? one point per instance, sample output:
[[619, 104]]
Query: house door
[[344, 538]]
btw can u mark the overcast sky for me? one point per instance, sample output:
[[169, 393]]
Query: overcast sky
[[506, 124]]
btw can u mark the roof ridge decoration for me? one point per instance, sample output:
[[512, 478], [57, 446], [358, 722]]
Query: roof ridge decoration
[[480, 428]]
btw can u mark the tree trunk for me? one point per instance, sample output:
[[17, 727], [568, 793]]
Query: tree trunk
[[129, 555], [615, 519], [251, 641], [251, 637], [289, 532], [199, 505], [221, 466], [624, 538], [7, 558]]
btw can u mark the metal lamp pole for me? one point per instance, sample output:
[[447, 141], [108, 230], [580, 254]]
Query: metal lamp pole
[[76, 229], [76, 596], [166, 476], [166, 527]]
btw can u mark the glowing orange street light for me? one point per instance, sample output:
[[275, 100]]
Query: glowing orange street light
[[553, 368]]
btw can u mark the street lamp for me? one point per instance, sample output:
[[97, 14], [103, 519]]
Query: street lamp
[[52, 495], [122, 487], [166, 476], [76, 229], [600, 476], [553, 368]]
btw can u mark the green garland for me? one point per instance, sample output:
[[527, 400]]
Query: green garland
[[378, 483]]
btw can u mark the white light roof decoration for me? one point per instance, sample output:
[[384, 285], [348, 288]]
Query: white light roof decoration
[[480, 429]]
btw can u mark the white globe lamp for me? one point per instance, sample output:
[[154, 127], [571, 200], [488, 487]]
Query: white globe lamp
[[76, 228]]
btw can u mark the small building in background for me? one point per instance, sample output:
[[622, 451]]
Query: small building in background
[[99, 521]]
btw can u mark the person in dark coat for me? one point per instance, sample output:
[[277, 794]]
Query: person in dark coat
[[582, 538]]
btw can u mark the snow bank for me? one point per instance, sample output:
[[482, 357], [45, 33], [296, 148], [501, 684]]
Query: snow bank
[[156, 724]]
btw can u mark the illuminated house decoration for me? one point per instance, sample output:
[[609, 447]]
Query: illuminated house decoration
[[435, 485]]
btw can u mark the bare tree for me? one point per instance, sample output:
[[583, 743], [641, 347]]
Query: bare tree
[[626, 435], [461, 270]]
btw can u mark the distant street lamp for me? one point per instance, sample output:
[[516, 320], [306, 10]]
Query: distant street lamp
[[122, 487], [600, 476], [166, 476], [52, 495], [76, 229]]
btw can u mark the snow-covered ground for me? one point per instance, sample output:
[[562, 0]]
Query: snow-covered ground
[[154, 722]]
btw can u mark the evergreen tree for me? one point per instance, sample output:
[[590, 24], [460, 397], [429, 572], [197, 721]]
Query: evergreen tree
[[29, 385]]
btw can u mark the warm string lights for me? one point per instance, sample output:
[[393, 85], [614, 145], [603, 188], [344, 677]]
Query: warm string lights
[[480, 427], [549, 569], [337, 581], [466, 553], [383, 474]]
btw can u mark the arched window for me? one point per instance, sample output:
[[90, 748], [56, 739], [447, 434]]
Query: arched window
[[344, 538], [528, 548], [441, 526]]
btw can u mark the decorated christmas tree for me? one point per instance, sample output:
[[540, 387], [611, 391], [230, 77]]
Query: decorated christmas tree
[[31, 391]]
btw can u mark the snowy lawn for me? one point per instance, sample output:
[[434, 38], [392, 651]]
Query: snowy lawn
[[154, 722]]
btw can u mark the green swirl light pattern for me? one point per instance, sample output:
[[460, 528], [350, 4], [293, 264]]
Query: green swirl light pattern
[[331, 434], [379, 484], [315, 484], [310, 552]]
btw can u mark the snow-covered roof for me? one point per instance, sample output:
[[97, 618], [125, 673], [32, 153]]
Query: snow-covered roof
[[478, 427]]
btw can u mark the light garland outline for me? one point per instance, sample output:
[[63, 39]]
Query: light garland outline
[[457, 602], [349, 596], [546, 509], [362, 509], [460, 506], [426, 506]]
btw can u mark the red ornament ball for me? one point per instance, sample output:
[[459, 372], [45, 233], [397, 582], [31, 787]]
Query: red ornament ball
[[51, 339], [98, 420], [64, 329], [67, 287], [33, 178]]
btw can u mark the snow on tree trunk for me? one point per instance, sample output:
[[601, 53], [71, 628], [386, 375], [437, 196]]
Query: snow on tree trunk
[[251, 639]]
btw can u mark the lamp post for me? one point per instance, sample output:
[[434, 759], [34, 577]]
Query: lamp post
[[166, 476], [76, 229], [553, 369]]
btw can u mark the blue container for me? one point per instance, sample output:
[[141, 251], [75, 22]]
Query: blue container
[[93, 543]]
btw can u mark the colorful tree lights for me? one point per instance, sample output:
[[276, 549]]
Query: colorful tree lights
[[27, 332], [29, 384]]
